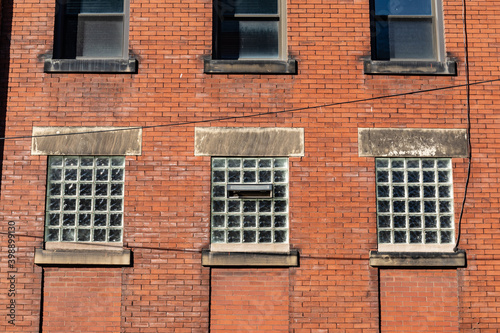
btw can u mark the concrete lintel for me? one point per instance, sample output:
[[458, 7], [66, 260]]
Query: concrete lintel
[[79, 257], [241, 259], [116, 66], [412, 142], [249, 141], [408, 67], [417, 259], [214, 66], [86, 141]]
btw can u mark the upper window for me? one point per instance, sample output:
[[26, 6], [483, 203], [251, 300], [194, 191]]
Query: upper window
[[91, 29], [249, 204], [415, 204], [406, 30], [249, 29], [85, 199]]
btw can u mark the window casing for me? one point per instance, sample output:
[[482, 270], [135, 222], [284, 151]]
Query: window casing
[[91, 29], [407, 30], [415, 204], [85, 199], [249, 29], [249, 204]]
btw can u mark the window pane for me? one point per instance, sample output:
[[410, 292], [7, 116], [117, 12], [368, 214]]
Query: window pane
[[249, 39], [100, 37], [403, 7], [411, 38], [228, 7]]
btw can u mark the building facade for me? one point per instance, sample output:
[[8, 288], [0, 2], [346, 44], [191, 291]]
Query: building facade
[[249, 166]]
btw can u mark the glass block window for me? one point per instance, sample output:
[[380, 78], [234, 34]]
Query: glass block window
[[414, 201], [84, 199], [249, 220]]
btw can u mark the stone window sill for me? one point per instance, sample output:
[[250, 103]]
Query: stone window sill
[[115, 257], [418, 259], [404, 67], [125, 66], [213, 66], [241, 259]]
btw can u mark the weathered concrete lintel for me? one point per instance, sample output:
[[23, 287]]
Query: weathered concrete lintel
[[240, 259], [249, 141], [412, 142], [115, 66], [408, 67], [81, 257], [214, 66], [417, 259], [86, 141]]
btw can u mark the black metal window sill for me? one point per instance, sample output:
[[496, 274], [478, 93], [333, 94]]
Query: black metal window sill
[[403, 67], [418, 259], [251, 259], [125, 66], [214, 66], [120, 257]]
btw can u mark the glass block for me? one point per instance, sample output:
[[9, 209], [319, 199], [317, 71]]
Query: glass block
[[265, 206], [265, 221], [249, 206], [54, 219], [54, 204], [265, 236], [71, 174], [429, 207], [70, 189], [102, 161], [84, 219], [249, 236], [398, 191], [69, 204], [444, 191], [280, 221], [384, 237], [383, 191], [68, 235], [71, 161], [85, 189], [265, 163], [83, 235], [415, 221], [280, 206], [233, 177], [413, 176], [117, 161], [115, 220], [101, 204], [443, 163], [280, 176], [55, 189], [55, 161], [218, 163], [398, 176], [69, 219], [219, 206], [415, 237], [116, 189], [233, 236], [280, 163], [53, 235], [55, 174], [85, 204], [426, 164], [280, 236], [233, 206], [443, 176], [99, 235], [429, 191], [101, 189], [264, 176], [444, 207], [430, 221], [429, 176], [100, 220], [398, 164], [413, 191], [445, 221], [218, 236], [218, 221], [218, 191], [399, 221], [102, 175], [280, 191], [382, 176], [87, 161], [219, 177], [414, 206], [233, 163], [398, 206], [399, 236], [381, 163], [115, 235], [249, 163], [233, 221], [117, 175], [446, 237], [412, 164], [384, 221], [115, 205], [249, 221], [383, 206], [249, 177], [431, 237], [86, 174]]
